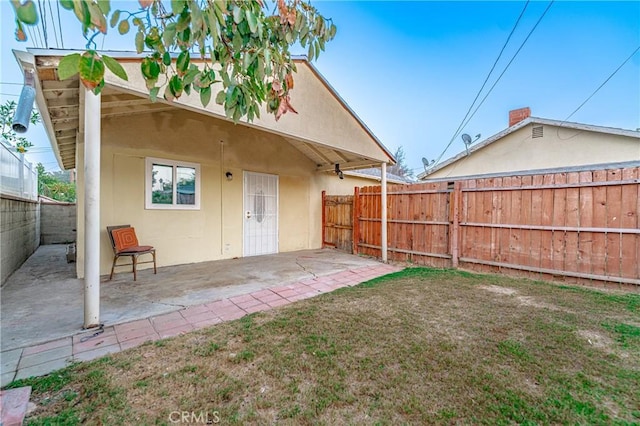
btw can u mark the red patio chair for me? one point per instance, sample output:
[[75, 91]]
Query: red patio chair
[[125, 243]]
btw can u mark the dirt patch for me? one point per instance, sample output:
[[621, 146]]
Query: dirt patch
[[533, 302], [499, 290], [597, 340]]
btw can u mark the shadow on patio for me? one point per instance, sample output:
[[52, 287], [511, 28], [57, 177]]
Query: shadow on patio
[[42, 300]]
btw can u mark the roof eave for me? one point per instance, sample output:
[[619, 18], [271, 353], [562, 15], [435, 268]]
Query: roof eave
[[26, 61]]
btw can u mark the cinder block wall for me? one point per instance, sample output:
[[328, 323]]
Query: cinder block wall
[[57, 223], [19, 233]]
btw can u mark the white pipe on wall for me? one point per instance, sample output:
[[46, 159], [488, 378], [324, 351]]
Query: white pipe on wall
[[91, 210], [383, 207]]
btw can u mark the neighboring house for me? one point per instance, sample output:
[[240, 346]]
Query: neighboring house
[[540, 145], [195, 185]]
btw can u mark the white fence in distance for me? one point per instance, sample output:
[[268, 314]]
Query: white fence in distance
[[18, 177]]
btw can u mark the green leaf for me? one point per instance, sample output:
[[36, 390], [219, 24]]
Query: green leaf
[[150, 69], [153, 94], [187, 89], [220, 97], [191, 75], [96, 17], [115, 67], [27, 13], [166, 58], [67, 4], [98, 89], [252, 20], [105, 6], [182, 64], [123, 28], [91, 68], [176, 86], [169, 35], [237, 14], [177, 6], [246, 61], [114, 18], [311, 52], [68, 66], [139, 41], [205, 96], [183, 22]]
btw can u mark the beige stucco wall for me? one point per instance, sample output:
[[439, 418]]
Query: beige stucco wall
[[559, 147], [321, 117], [215, 230]]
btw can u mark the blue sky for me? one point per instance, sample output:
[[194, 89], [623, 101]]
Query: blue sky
[[410, 70]]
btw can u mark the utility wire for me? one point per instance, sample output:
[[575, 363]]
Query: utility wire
[[603, 83], [514, 57], [43, 22], [53, 24], [60, 23], [455, 134], [497, 80]]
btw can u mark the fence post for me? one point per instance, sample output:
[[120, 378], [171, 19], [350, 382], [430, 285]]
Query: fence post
[[355, 221], [324, 217], [454, 237]]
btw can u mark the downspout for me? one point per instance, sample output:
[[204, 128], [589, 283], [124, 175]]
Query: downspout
[[22, 116], [383, 213], [92, 145]]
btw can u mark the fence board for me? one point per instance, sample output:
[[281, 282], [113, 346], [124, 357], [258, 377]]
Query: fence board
[[629, 219], [613, 240], [572, 220], [598, 248], [526, 200], [559, 215]]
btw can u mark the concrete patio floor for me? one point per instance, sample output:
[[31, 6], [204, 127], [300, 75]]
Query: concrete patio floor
[[42, 302]]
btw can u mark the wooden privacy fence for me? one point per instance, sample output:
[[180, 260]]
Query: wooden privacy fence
[[574, 226], [337, 221]]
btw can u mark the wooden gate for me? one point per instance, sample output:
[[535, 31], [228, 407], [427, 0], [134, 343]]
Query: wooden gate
[[337, 221]]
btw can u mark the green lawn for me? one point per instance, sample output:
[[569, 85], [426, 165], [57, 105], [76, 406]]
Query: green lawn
[[419, 346]]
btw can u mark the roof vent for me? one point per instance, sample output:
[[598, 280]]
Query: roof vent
[[537, 132]]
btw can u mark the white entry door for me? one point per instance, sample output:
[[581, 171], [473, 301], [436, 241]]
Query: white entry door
[[260, 214]]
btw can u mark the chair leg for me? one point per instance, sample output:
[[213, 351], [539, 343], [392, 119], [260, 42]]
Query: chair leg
[[113, 266], [154, 262], [135, 261]]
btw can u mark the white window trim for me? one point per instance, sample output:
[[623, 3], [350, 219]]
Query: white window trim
[[149, 162]]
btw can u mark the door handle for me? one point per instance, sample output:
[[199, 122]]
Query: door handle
[[247, 214]]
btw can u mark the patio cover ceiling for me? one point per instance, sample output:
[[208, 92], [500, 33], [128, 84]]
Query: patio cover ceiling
[[61, 102]]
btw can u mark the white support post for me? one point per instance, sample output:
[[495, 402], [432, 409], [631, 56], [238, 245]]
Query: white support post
[[383, 214], [91, 210]]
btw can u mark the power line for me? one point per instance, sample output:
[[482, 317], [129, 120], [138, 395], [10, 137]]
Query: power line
[[59, 23], [512, 59], [603, 83], [43, 21], [53, 24], [455, 134], [498, 79]]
